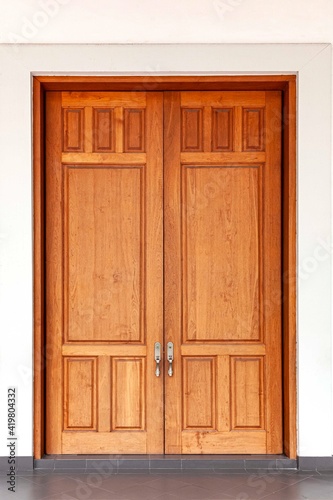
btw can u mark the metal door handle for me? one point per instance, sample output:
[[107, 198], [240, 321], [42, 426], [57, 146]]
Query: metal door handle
[[170, 358], [157, 351]]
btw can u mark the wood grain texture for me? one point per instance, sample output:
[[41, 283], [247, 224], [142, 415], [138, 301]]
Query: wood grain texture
[[80, 393], [115, 159], [54, 273], [166, 83], [222, 129], [247, 392], [134, 130], [221, 253], [38, 270], [105, 276], [289, 271], [103, 130], [73, 129], [272, 282], [199, 393], [225, 226], [192, 129], [172, 266], [253, 129], [128, 394]]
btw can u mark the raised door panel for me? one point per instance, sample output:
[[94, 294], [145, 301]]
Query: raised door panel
[[223, 272], [221, 253], [104, 246], [104, 272]]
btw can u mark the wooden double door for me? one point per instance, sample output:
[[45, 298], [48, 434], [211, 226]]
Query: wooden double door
[[163, 224]]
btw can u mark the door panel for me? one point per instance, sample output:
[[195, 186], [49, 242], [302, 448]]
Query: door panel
[[104, 272], [223, 272]]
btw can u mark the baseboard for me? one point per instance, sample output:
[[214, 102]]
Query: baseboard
[[315, 463], [142, 463], [21, 464], [116, 464]]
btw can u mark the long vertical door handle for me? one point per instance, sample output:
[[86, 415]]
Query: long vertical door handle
[[170, 358], [157, 351]]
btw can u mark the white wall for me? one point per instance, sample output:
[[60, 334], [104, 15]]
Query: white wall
[[62, 21], [171, 21]]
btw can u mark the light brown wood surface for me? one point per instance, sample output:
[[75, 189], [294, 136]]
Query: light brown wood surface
[[104, 272], [222, 257], [223, 273]]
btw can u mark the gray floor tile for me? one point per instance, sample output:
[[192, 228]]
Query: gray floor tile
[[193, 492], [166, 496], [166, 484], [45, 478], [197, 484], [85, 492], [141, 492], [256, 489], [311, 489], [119, 482]]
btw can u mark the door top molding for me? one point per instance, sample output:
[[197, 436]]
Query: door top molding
[[165, 83]]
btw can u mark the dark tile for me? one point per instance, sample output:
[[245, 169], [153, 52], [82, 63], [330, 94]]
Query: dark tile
[[165, 464], [228, 464], [289, 479], [286, 463], [45, 478], [86, 492], [103, 466], [44, 464], [257, 487], [166, 484], [121, 481], [144, 492], [192, 492], [69, 464], [133, 464], [260, 464], [197, 464], [138, 471], [24, 463], [229, 471]]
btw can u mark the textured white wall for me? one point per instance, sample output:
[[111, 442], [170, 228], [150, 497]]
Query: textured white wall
[[147, 21], [171, 21]]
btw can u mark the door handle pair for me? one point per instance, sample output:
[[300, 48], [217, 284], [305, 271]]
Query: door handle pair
[[158, 358]]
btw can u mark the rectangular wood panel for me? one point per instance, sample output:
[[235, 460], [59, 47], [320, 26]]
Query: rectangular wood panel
[[128, 400], [221, 249], [134, 130], [80, 393], [199, 397], [73, 126], [222, 129], [192, 129], [103, 130], [247, 392], [253, 129], [104, 276]]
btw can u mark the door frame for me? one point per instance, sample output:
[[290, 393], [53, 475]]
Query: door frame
[[287, 85]]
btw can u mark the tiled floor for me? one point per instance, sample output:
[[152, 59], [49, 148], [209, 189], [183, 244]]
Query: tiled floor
[[189, 485]]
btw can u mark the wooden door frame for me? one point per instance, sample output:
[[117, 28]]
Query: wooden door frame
[[284, 83]]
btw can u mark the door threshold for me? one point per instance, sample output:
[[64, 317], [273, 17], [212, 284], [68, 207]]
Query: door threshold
[[116, 464]]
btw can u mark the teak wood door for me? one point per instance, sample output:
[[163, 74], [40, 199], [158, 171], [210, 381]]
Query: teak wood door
[[215, 224]]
